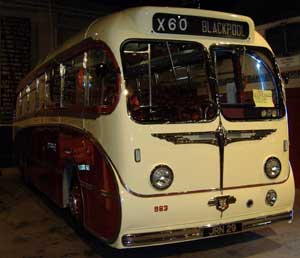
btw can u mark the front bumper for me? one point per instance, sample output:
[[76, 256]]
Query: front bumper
[[187, 234]]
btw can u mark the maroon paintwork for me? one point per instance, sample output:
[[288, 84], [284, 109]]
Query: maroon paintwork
[[44, 164], [53, 156]]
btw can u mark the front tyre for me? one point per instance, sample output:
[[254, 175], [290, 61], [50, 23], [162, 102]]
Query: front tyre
[[76, 203]]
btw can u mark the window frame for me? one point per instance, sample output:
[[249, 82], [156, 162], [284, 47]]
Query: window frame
[[63, 57], [208, 70], [277, 79]]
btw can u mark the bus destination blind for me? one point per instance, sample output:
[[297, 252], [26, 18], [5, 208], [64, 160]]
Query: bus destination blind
[[197, 25]]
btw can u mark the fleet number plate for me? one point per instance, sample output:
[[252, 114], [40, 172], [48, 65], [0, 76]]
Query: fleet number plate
[[222, 229]]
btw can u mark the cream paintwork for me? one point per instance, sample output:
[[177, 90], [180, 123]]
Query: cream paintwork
[[195, 166], [244, 161], [191, 210]]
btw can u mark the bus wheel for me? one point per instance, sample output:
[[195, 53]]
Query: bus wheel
[[75, 203]]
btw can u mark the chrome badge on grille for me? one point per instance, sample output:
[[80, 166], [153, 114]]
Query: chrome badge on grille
[[222, 202]]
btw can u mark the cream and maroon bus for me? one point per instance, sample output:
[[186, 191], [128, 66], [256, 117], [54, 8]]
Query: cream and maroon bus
[[159, 125]]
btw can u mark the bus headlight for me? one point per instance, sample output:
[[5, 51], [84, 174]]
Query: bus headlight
[[161, 177], [272, 167], [271, 197]]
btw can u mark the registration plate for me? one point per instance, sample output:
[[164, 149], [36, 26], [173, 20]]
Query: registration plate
[[222, 229]]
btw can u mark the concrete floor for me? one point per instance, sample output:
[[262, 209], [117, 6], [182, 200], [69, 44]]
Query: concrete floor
[[32, 227]]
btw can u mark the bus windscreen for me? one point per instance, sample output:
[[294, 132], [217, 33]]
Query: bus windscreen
[[248, 87], [167, 82]]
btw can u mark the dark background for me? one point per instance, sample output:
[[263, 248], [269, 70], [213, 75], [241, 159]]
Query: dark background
[[261, 11]]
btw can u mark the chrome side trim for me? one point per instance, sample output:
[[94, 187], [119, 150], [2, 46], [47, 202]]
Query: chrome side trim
[[188, 234], [203, 190]]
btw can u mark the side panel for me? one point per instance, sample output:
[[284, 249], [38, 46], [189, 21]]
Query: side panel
[[40, 161], [99, 188], [45, 153]]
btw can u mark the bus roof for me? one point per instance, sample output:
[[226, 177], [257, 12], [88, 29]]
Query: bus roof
[[139, 19], [139, 22]]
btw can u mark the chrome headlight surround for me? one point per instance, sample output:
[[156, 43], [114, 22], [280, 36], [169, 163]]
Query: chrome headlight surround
[[272, 167], [271, 197], [161, 177]]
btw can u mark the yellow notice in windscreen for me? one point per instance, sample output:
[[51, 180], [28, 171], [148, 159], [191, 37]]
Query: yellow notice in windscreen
[[263, 98]]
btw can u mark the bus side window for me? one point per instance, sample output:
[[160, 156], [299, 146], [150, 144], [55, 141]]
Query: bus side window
[[53, 87], [102, 79], [79, 86], [71, 90], [40, 93], [74, 81], [32, 97], [88, 80]]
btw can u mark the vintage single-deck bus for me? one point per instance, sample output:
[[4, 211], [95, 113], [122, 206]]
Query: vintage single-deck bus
[[284, 38], [159, 125]]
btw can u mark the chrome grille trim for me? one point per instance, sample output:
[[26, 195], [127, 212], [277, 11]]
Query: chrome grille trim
[[211, 137], [188, 234]]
